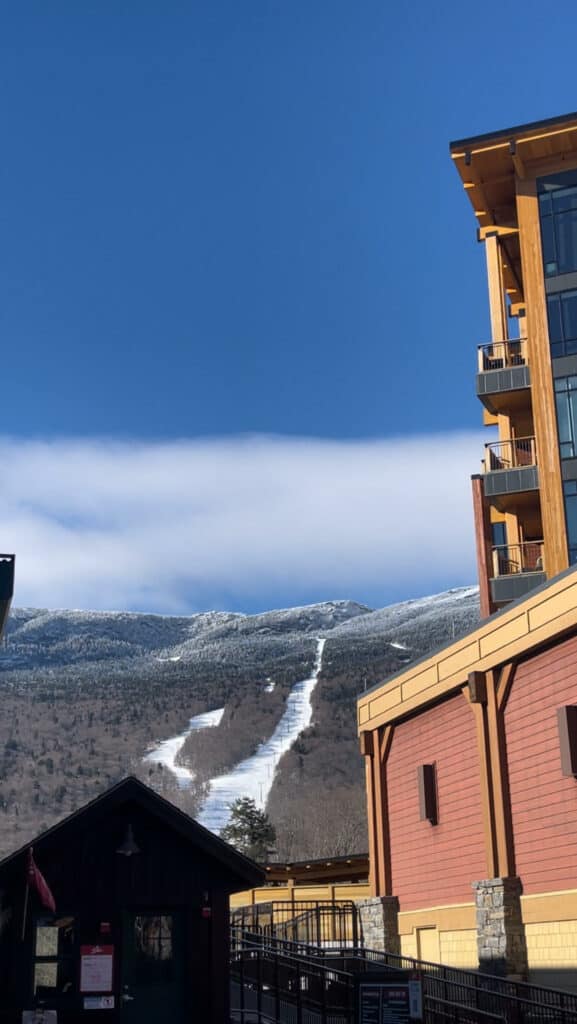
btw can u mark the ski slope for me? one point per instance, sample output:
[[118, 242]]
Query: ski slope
[[167, 751], [254, 777]]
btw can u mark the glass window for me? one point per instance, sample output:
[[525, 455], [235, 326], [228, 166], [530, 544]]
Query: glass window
[[54, 961], [570, 495], [153, 952], [566, 402], [562, 316], [558, 213]]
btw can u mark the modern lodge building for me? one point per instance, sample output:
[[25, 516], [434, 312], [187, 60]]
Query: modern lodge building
[[522, 185], [471, 754]]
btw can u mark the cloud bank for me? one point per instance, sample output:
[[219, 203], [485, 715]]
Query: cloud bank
[[182, 526]]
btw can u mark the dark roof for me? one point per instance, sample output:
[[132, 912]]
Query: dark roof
[[132, 789], [508, 133]]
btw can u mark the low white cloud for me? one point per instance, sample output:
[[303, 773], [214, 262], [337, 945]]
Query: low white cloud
[[184, 525]]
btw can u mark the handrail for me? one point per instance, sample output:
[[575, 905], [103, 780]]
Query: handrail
[[510, 559], [502, 355], [499, 997], [514, 453]]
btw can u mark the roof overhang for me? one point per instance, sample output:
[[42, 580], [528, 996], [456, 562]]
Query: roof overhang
[[489, 166], [545, 616]]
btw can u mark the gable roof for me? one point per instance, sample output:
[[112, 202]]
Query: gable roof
[[133, 790]]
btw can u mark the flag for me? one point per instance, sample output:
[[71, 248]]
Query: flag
[[35, 880]]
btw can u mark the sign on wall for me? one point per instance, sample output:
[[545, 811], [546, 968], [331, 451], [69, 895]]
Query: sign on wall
[[96, 968]]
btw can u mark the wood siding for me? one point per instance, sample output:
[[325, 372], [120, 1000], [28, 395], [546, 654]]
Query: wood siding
[[435, 864], [543, 800]]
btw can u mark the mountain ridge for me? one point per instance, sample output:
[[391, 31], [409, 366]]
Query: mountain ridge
[[87, 694]]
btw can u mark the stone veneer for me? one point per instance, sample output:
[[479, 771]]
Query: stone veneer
[[501, 941], [379, 924]]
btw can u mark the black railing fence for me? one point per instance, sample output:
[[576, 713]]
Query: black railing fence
[[315, 922], [449, 993]]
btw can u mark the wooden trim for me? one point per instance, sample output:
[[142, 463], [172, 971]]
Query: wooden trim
[[482, 544], [548, 614], [372, 825], [503, 825], [542, 395], [382, 873], [496, 229], [504, 684], [485, 781]]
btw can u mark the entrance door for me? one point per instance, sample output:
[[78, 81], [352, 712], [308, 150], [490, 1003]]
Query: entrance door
[[153, 975]]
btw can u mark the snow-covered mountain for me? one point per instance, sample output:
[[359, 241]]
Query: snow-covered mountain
[[89, 696]]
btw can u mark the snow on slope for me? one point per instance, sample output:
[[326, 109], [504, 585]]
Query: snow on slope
[[167, 751], [254, 776]]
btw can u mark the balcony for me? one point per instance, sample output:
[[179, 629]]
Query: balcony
[[6, 586], [510, 470], [503, 377], [517, 569]]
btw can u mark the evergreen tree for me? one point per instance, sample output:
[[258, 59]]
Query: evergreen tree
[[249, 830]]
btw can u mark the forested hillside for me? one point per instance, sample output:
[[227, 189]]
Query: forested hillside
[[86, 695]]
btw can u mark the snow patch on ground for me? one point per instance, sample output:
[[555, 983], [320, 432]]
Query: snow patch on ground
[[270, 685], [254, 777], [400, 647], [167, 751]]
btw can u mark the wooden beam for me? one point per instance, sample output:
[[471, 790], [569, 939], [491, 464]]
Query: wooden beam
[[483, 545], [497, 307], [496, 229], [382, 740], [500, 776], [485, 780], [542, 395], [371, 822]]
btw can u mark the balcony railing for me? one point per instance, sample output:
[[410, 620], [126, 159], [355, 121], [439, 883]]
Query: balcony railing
[[510, 559], [513, 454], [501, 355]]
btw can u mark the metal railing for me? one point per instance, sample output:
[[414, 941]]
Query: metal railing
[[512, 454], [510, 559], [501, 355], [309, 921], [449, 993], [268, 985]]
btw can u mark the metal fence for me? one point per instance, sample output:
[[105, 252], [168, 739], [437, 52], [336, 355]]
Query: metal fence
[[314, 922], [449, 993]]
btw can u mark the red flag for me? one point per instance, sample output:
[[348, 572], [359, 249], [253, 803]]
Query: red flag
[[36, 880]]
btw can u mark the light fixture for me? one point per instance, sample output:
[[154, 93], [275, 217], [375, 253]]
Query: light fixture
[[129, 846]]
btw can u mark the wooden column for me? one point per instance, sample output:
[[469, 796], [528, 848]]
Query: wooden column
[[483, 543], [487, 693], [542, 395], [375, 746], [497, 299], [476, 694]]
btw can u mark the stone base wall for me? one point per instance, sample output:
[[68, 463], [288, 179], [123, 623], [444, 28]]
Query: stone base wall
[[501, 942], [379, 923]]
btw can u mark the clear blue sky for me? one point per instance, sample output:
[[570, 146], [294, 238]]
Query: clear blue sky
[[235, 216]]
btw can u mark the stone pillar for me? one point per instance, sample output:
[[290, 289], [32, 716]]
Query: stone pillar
[[379, 923], [501, 941]]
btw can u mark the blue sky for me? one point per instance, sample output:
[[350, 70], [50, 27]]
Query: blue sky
[[222, 219]]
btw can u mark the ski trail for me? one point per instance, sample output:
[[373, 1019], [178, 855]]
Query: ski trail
[[167, 751], [254, 776]]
